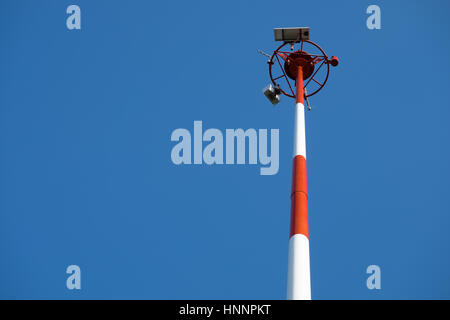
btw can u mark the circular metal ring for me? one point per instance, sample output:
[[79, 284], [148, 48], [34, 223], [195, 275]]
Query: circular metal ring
[[276, 54]]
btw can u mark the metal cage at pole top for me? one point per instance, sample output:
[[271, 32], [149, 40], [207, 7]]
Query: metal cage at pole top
[[297, 51]]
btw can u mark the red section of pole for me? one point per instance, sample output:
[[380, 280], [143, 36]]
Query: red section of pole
[[299, 198], [299, 85]]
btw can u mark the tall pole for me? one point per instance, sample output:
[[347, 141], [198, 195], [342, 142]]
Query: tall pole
[[299, 283]]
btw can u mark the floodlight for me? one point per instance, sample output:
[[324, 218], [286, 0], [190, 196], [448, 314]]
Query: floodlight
[[291, 34], [272, 93]]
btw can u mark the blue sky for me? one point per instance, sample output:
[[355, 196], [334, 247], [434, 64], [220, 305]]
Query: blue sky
[[87, 178]]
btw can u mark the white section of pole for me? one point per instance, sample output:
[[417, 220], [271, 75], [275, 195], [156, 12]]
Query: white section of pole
[[299, 131], [299, 282]]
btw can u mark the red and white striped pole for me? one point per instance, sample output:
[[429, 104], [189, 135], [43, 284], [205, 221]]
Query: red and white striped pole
[[299, 283]]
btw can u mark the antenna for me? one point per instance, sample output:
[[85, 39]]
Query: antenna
[[298, 69], [264, 54], [307, 101]]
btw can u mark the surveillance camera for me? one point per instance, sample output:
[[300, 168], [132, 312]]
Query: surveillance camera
[[272, 93], [334, 61]]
